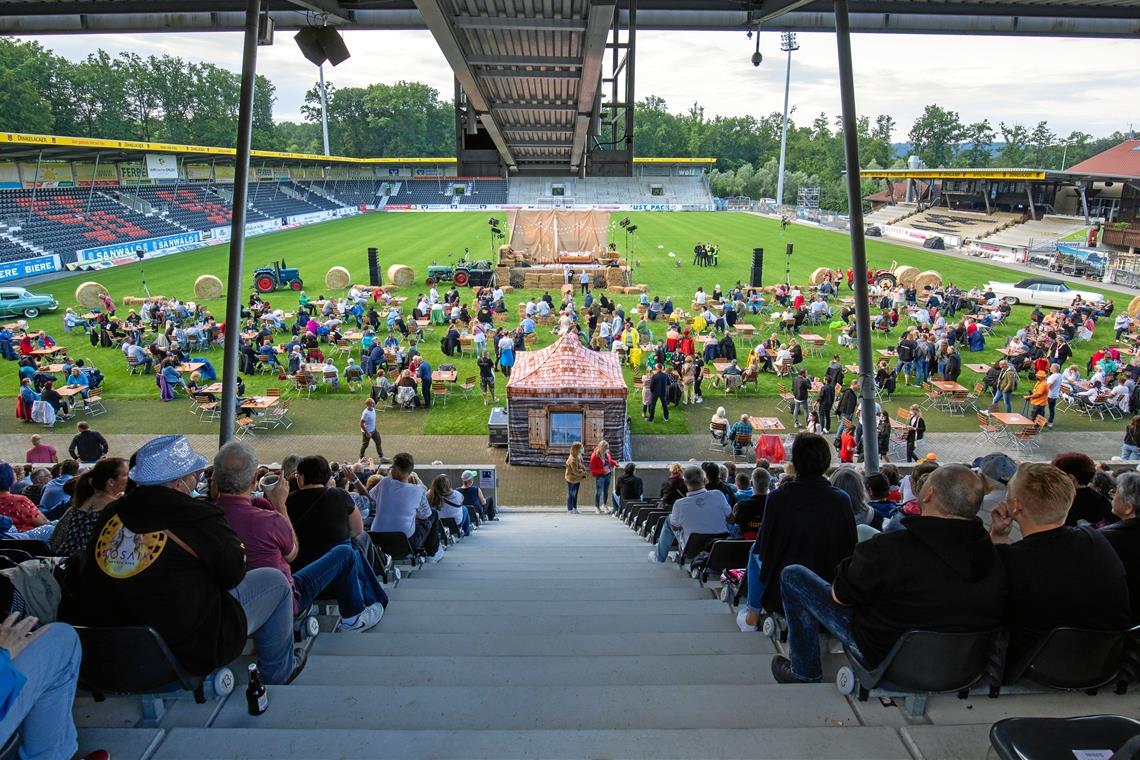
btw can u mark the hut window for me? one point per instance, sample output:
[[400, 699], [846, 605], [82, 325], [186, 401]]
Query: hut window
[[565, 428]]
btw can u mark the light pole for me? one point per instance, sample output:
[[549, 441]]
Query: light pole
[[324, 109], [787, 44]]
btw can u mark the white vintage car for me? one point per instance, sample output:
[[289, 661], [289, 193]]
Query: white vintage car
[[1041, 291]]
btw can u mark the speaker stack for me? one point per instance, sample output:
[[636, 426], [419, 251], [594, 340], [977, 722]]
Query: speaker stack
[[374, 268], [757, 267]]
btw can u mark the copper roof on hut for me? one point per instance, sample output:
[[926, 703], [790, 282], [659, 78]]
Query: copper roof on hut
[[566, 369]]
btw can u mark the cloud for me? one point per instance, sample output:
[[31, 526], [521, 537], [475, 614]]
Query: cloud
[[1073, 84]]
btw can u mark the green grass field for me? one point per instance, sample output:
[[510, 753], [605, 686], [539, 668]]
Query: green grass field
[[419, 239]]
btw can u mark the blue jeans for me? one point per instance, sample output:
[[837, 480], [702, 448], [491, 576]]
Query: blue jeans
[[343, 571], [1052, 409], [807, 605], [665, 542], [921, 371], [602, 490], [1007, 396], [839, 427], [42, 709], [1129, 453], [465, 523], [572, 496], [267, 600], [755, 587]]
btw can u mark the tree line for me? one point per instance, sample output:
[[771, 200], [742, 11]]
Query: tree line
[[170, 99]]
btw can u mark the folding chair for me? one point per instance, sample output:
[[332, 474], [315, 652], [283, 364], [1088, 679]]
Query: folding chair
[[439, 391], [470, 383]]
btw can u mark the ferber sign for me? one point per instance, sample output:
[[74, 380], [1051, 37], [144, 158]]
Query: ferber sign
[[18, 270]]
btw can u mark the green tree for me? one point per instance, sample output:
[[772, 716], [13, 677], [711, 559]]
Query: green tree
[[935, 136], [978, 137], [1014, 154]]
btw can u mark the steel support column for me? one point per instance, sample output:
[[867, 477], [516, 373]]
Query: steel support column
[[237, 223], [858, 243], [94, 179]]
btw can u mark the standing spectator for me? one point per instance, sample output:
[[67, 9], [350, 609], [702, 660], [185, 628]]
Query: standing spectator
[[486, 376], [1125, 534], [1130, 450], [940, 574], [423, 372], [584, 280], [186, 576], [1055, 380], [1038, 398], [602, 467], [915, 431], [88, 446], [659, 391], [576, 472], [40, 453], [108, 304], [807, 521], [1089, 505], [1006, 385], [845, 408], [801, 387], [824, 401], [699, 511], [19, 509], [402, 506], [368, 431]]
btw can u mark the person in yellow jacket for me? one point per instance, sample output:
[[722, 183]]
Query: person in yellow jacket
[[576, 472], [1038, 398]]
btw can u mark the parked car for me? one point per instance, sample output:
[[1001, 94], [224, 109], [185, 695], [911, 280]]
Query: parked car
[[1041, 291], [15, 301]]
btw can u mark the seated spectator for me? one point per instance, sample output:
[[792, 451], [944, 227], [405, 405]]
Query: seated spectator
[[38, 674], [879, 491], [1089, 506], [741, 428], [1124, 535], [448, 503], [403, 506], [19, 509], [749, 510], [93, 491], [266, 530], [186, 576], [54, 498], [851, 483], [473, 497], [628, 486], [322, 515], [807, 521], [673, 487], [940, 574], [700, 511], [1057, 576], [39, 479]]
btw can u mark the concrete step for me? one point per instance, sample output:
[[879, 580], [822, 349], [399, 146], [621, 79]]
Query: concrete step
[[442, 621], [128, 743], [474, 608], [852, 743], [465, 668], [448, 708], [948, 742], [414, 589], [563, 643]]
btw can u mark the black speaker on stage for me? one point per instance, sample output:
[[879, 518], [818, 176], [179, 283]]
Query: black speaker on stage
[[757, 267], [374, 268], [789, 251]]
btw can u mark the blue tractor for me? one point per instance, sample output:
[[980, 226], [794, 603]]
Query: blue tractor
[[269, 278]]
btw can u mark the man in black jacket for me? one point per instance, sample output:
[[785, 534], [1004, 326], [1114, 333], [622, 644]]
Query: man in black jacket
[[88, 446], [165, 559], [953, 366], [824, 401], [801, 387], [659, 391], [905, 352], [848, 402], [941, 573]]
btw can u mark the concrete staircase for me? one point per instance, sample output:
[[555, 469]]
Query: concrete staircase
[[549, 635]]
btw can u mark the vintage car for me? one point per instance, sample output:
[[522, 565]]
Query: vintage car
[[18, 301], [1041, 291]]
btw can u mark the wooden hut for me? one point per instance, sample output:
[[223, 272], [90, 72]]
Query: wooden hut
[[561, 394]]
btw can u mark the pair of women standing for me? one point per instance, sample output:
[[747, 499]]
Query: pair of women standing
[[601, 467]]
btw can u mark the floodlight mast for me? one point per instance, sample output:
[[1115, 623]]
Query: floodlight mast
[[787, 44]]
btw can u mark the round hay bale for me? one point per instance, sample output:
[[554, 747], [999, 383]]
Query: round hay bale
[[818, 276], [207, 287], [87, 295], [398, 274], [926, 279], [1134, 306], [905, 275], [337, 278]]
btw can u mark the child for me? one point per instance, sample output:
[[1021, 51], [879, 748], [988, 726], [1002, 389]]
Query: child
[[813, 425], [847, 443]]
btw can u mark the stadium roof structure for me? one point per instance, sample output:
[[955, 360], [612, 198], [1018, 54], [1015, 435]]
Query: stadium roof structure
[[1120, 161]]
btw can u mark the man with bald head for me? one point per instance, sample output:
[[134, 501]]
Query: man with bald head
[[941, 573]]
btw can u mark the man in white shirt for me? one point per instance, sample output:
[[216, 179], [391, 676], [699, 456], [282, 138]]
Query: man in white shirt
[[368, 431], [138, 353], [543, 309], [699, 512], [701, 297], [1055, 381], [497, 296], [531, 308], [403, 507], [584, 281]]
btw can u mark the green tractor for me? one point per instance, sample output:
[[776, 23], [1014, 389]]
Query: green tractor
[[474, 273], [269, 278]]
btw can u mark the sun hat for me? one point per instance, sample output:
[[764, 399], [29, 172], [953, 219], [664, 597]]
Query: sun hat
[[164, 459]]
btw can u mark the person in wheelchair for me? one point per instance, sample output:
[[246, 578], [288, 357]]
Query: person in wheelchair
[[940, 574]]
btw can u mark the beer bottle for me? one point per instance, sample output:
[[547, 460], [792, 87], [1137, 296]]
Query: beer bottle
[[256, 695]]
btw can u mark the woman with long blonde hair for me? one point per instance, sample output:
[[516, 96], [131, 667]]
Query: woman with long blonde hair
[[576, 472]]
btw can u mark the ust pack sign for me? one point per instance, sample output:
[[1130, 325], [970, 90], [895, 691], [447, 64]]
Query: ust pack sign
[[161, 166]]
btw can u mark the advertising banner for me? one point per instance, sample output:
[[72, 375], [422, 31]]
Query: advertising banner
[[161, 166], [917, 236], [18, 270], [151, 245]]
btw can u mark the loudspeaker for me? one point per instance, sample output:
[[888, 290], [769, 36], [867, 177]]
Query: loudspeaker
[[374, 268], [935, 243], [789, 251], [320, 44], [757, 268]]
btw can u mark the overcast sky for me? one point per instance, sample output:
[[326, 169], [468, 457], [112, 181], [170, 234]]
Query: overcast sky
[[1088, 85]]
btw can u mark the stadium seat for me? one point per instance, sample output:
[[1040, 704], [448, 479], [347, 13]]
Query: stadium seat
[[1031, 738]]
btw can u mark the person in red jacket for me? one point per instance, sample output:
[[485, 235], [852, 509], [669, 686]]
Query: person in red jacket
[[602, 467], [687, 346]]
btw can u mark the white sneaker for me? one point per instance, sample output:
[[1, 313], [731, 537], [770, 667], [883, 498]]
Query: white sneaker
[[597, 510], [368, 618], [653, 556], [438, 555], [742, 623]]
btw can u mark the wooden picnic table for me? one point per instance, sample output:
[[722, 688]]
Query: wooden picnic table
[[68, 391], [981, 369], [1012, 419], [54, 368], [212, 388], [889, 353], [189, 367], [949, 386], [746, 330], [1009, 353], [818, 340], [259, 403], [352, 335], [766, 424], [721, 365], [852, 368], [90, 315], [444, 375], [48, 351]]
